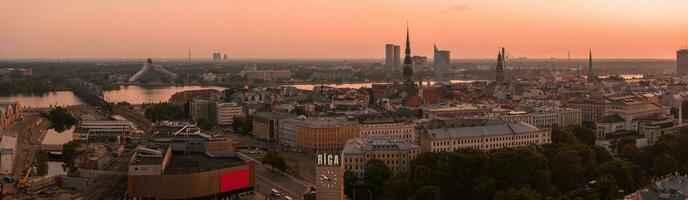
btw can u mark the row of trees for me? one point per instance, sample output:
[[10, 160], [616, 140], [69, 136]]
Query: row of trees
[[164, 111], [569, 168], [275, 159]]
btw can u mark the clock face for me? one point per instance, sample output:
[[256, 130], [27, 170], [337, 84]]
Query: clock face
[[327, 179]]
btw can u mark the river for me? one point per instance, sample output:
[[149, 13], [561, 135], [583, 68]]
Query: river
[[131, 94], [139, 94]]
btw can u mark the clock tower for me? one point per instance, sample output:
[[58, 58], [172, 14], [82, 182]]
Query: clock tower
[[329, 177]]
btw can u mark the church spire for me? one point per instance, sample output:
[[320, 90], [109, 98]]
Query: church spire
[[408, 60], [500, 68], [590, 74], [408, 41]]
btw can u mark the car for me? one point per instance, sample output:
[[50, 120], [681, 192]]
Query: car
[[287, 198], [274, 193]]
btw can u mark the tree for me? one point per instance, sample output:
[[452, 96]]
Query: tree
[[243, 125], [567, 170], [69, 154], [274, 159], [561, 136], [205, 124], [376, 174], [518, 167], [42, 164], [584, 135], [429, 192], [164, 111], [61, 119], [627, 175], [602, 155], [663, 165], [605, 188], [350, 181], [517, 194]]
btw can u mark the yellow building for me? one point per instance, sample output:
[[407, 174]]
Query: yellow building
[[325, 134]]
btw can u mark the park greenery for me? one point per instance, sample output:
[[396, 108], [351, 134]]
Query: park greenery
[[42, 163], [61, 119], [164, 111], [243, 125], [69, 151], [569, 168], [275, 159], [205, 124]]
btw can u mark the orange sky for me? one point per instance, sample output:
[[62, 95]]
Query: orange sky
[[340, 29]]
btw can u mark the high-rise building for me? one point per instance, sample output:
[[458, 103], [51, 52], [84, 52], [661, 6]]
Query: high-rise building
[[397, 57], [392, 56], [217, 57], [441, 62], [682, 62]]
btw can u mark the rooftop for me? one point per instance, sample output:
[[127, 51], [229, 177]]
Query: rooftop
[[361, 145], [181, 163], [490, 128]]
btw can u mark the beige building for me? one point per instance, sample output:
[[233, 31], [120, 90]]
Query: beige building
[[547, 117], [327, 134], [266, 75], [266, 125], [592, 109], [484, 134], [388, 127], [395, 153], [226, 112]]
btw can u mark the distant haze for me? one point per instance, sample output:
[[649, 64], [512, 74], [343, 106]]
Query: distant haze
[[340, 28]]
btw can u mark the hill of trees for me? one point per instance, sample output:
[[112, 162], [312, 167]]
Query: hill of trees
[[565, 169]]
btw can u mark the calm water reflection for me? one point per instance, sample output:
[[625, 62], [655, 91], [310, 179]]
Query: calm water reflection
[[131, 94], [54, 137], [138, 95], [60, 98]]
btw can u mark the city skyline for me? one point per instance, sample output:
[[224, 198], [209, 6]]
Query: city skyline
[[469, 29]]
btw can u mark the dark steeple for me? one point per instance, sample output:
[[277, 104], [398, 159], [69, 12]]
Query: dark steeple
[[408, 61], [591, 76], [500, 68]]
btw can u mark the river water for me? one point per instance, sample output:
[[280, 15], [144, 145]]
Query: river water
[[131, 94], [138, 94]]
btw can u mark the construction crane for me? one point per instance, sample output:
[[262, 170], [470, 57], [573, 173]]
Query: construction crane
[[24, 182]]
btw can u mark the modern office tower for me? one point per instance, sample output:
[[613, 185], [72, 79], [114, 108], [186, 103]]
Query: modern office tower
[[397, 57], [225, 58], [682, 62], [217, 57], [391, 56], [441, 62]]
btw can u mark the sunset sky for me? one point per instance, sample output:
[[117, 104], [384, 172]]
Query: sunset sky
[[340, 29]]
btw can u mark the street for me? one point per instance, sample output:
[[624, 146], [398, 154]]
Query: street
[[268, 179]]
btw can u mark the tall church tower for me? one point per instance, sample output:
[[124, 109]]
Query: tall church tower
[[591, 75], [408, 60], [500, 68]]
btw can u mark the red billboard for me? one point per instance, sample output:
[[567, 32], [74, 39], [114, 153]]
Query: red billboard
[[234, 180]]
